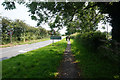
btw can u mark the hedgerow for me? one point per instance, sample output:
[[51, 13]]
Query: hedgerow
[[21, 31]]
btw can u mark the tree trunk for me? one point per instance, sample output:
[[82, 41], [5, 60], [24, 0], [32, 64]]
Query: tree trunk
[[116, 28]]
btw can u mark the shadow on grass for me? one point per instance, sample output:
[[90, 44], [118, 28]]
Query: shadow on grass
[[92, 65]]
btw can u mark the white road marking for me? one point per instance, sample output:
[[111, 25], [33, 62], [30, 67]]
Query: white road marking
[[22, 51]]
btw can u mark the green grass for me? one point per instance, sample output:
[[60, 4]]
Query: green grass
[[21, 43], [39, 63], [92, 65]]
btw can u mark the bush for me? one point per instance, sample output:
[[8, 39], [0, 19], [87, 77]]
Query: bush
[[73, 35], [21, 31], [96, 42], [91, 39]]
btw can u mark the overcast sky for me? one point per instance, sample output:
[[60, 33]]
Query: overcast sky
[[21, 12]]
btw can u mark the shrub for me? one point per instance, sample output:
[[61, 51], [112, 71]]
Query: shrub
[[73, 35], [21, 31], [91, 39]]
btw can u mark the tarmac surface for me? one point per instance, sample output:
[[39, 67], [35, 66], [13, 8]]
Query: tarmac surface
[[9, 52]]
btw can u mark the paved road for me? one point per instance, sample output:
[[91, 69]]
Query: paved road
[[8, 52]]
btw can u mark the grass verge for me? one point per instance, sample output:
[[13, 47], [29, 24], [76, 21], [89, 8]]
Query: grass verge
[[92, 65], [26, 42], [39, 63]]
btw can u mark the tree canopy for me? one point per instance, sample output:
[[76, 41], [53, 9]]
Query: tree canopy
[[75, 15]]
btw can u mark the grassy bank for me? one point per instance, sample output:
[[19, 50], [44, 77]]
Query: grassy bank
[[26, 42], [39, 63], [92, 65]]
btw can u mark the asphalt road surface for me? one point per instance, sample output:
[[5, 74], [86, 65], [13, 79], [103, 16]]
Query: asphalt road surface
[[8, 52]]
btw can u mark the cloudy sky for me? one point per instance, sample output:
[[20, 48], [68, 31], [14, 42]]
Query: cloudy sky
[[21, 12]]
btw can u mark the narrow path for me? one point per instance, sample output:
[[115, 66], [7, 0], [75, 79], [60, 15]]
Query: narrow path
[[68, 67]]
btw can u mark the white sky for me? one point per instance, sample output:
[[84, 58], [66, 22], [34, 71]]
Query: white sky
[[21, 13]]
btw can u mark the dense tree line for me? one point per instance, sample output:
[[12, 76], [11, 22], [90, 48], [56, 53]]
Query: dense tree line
[[20, 31]]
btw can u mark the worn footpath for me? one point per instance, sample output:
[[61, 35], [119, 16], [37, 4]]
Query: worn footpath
[[68, 67]]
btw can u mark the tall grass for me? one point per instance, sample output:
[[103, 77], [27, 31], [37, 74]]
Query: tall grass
[[92, 65]]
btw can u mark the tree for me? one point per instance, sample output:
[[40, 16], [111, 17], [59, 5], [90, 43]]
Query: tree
[[64, 12], [5, 23], [111, 9], [21, 31]]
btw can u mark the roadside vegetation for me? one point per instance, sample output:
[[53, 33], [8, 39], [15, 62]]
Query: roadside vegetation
[[40, 63], [21, 42], [21, 32], [97, 53], [94, 60]]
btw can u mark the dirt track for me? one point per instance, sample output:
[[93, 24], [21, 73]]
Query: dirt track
[[68, 67]]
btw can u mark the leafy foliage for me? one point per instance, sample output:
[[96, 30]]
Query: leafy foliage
[[112, 9], [92, 40], [9, 5], [93, 64], [21, 31], [66, 11]]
